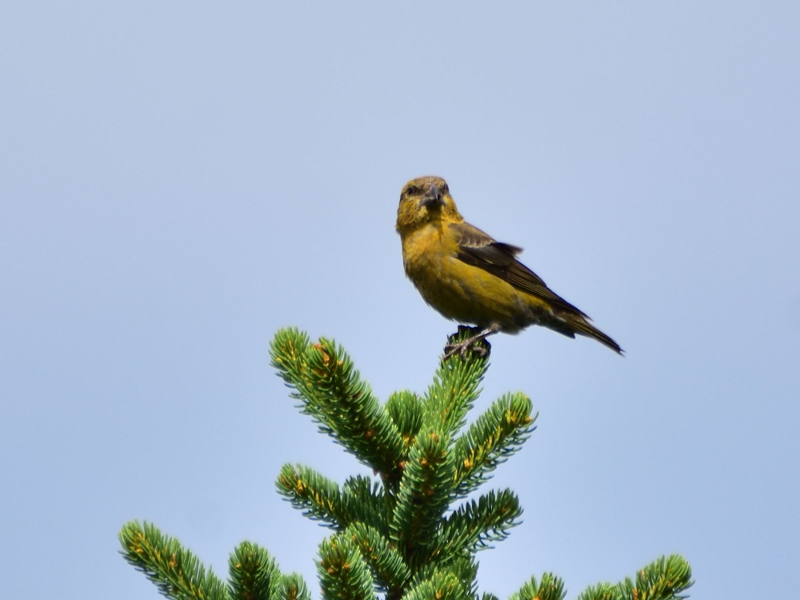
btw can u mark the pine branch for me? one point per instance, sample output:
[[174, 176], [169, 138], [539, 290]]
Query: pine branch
[[407, 412], [366, 503], [320, 499], [664, 579], [317, 496], [288, 352], [454, 390], [497, 434], [441, 586], [292, 587], [343, 573], [425, 492], [549, 588], [253, 573], [475, 525], [388, 569], [174, 570], [463, 566], [333, 394]]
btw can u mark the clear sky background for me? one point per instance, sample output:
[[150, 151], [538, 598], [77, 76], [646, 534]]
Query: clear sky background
[[178, 180]]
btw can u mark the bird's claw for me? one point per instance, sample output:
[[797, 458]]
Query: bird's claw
[[476, 344], [463, 348]]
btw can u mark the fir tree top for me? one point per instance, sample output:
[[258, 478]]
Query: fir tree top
[[412, 532]]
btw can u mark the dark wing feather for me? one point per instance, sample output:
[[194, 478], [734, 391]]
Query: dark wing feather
[[480, 250]]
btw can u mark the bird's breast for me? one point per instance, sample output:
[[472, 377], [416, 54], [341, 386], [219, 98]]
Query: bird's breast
[[457, 290]]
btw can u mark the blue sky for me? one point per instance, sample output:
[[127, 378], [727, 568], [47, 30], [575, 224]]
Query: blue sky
[[180, 180]]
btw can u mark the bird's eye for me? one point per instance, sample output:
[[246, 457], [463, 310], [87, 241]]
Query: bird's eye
[[411, 190], [445, 189]]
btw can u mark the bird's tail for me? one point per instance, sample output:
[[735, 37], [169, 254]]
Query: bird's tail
[[581, 326]]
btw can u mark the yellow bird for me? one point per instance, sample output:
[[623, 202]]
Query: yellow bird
[[473, 279]]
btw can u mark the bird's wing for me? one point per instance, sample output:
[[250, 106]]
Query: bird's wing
[[480, 250]]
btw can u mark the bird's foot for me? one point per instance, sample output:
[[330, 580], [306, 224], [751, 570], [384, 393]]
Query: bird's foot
[[476, 343]]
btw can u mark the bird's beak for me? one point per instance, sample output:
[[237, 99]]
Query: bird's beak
[[432, 197]]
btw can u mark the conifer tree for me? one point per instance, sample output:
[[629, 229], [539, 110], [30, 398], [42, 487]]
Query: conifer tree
[[414, 530]]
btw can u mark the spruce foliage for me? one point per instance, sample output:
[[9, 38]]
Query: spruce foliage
[[411, 533]]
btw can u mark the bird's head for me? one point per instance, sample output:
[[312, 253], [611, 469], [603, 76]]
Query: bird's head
[[425, 200]]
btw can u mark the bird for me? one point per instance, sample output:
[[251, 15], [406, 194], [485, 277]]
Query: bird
[[471, 278]]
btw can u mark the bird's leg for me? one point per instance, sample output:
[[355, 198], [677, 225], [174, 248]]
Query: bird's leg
[[469, 343]]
